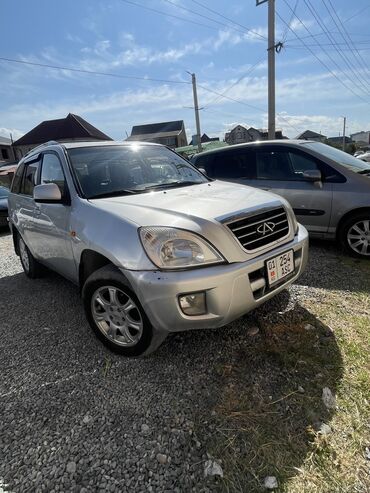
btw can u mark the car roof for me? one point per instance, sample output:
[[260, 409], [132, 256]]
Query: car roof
[[284, 142]]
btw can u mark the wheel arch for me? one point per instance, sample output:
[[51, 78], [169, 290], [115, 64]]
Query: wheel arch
[[347, 215], [91, 261]]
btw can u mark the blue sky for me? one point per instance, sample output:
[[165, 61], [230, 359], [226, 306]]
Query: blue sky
[[113, 36]]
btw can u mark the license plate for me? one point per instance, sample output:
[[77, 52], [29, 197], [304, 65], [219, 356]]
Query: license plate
[[280, 267]]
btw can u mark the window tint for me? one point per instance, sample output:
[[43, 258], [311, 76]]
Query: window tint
[[17, 180], [52, 172], [29, 178], [232, 165], [302, 162], [275, 165]]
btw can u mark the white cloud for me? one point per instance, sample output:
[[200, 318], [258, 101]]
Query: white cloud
[[16, 134]]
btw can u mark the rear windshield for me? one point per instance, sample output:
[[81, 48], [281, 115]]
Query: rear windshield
[[119, 170], [350, 162]]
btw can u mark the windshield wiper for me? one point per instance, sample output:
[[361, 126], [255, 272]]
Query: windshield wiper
[[116, 193], [364, 171], [173, 184]]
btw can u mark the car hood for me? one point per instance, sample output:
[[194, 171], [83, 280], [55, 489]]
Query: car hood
[[215, 200]]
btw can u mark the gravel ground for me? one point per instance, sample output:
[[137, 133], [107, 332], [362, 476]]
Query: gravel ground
[[75, 417]]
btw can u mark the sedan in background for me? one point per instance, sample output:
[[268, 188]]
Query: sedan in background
[[328, 189], [4, 192], [364, 157]]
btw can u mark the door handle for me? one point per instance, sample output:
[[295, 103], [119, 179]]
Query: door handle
[[266, 189]]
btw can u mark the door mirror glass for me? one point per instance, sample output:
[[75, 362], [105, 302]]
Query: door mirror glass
[[47, 193], [312, 175]]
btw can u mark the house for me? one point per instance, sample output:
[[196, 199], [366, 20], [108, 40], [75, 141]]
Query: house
[[171, 134], [73, 128], [339, 140], [361, 137], [240, 134], [6, 151], [310, 135], [204, 138]]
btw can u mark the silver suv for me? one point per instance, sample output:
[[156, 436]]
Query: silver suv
[[155, 246]]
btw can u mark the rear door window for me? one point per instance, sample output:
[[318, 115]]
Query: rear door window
[[29, 178], [17, 180], [232, 164]]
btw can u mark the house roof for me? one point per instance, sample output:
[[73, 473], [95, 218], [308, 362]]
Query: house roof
[[158, 128], [309, 134], [71, 127], [339, 140]]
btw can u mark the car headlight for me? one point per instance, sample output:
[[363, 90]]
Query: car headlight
[[172, 248]]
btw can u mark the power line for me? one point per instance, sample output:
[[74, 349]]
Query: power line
[[92, 72], [347, 61], [184, 19], [319, 59], [213, 20], [360, 57], [357, 13], [249, 71], [285, 34], [228, 19]]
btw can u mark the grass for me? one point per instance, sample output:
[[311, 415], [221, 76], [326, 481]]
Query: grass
[[265, 426]]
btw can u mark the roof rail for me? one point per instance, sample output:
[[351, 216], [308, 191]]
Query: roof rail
[[45, 144]]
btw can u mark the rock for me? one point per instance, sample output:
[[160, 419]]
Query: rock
[[322, 428], [145, 429], [213, 468], [367, 453], [253, 331], [86, 419], [328, 398], [162, 458], [300, 389], [270, 483], [71, 467]]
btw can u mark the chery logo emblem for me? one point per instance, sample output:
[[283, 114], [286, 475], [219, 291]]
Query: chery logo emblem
[[266, 228]]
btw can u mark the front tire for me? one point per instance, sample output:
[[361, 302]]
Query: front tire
[[355, 235], [115, 313], [31, 267]]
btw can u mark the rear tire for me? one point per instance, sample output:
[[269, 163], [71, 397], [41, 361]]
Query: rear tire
[[354, 235], [115, 314], [32, 268]]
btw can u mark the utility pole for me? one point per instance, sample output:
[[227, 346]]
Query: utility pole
[[271, 66], [196, 109], [344, 133]]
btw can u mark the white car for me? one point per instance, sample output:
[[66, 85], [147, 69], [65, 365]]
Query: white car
[[364, 157]]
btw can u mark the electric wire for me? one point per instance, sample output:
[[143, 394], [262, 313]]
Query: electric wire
[[344, 84]]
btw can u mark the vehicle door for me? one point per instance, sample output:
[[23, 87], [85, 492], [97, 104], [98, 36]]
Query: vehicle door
[[22, 203], [52, 220], [281, 170]]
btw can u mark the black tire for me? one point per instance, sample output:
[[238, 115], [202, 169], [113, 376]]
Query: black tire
[[32, 268], [345, 230], [109, 276]]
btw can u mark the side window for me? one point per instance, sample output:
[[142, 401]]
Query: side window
[[302, 162], [29, 178], [274, 165], [17, 179], [52, 172], [240, 164]]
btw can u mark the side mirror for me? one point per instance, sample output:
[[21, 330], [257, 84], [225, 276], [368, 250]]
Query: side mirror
[[47, 193], [313, 175]]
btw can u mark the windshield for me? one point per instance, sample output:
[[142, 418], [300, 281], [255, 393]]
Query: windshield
[[4, 192], [350, 162], [104, 171]]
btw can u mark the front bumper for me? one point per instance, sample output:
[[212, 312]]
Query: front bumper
[[231, 290]]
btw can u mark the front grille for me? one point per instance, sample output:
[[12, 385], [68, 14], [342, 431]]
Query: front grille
[[259, 230]]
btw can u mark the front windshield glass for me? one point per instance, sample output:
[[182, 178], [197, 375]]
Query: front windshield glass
[[350, 162], [4, 192], [104, 171]]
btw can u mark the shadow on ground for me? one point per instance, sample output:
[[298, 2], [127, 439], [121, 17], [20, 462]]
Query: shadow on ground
[[226, 393]]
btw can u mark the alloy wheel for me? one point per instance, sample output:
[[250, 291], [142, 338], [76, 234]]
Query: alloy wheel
[[117, 316], [358, 237]]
